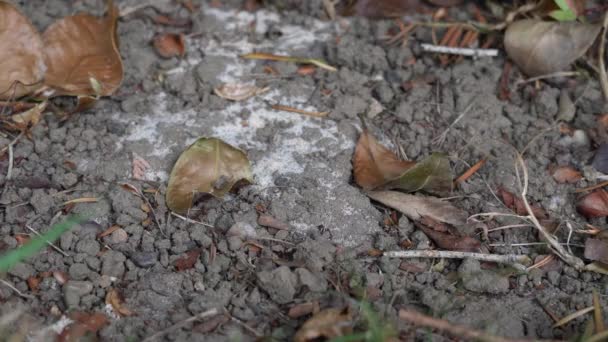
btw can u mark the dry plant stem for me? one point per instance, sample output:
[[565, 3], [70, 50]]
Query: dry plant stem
[[9, 173], [552, 75], [202, 315], [47, 242], [191, 220], [10, 286], [460, 51], [464, 332], [555, 245], [602, 59], [299, 111], [516, 261]]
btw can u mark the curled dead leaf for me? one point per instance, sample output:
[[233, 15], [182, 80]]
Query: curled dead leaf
[[22, 64], [208, 166], [566, 174], [327, 324], [374, 165], [432, 174], [30, 117], [594, 204], [170, 45], [544, 47], [81, 54], [238, 91], [117, 302]]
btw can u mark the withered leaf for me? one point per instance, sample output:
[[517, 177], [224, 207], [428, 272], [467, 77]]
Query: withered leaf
[[208, 166], [327, 324], [187, 261], [238, 91], [432, 174], [30, 117], [566, 174], [516, 204], [545, 47], [169, 45], [415, 207], [451, 242], [84, 323], [594, 204], [116, 301], [374, 165], [81, 54], [22, 65]]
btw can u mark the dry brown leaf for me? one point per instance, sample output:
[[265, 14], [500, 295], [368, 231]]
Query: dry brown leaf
[[84, 323], [327, 324], [238, 91], [208, 166], [415, 207], [22, 65], [187, 261], [170, 45], [81, 54], [140, 166], [566, 174], [272, 222], [30, 117], [451, 242], [302, 309], [33, 283], [516, 204], [374, 165], [117, 302], [545, 47], [594, 204]]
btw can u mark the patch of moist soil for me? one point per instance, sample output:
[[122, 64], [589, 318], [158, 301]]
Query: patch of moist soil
[[303, 178]]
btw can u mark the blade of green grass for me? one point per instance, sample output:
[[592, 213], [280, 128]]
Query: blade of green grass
[[15, 256]]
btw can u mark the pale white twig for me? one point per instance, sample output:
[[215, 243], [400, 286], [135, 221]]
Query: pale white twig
[[47, 242], [10, 286], [9, 173], [202, 315], [460, 51], [517, 261], [552, 241]]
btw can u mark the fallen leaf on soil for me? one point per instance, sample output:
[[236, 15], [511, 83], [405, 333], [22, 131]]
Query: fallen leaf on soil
[[84, 323], [596, 250], [22, 239], [33, 283], [544, 47], [21, 52], [303, 60], [516, 204], [470, 172], [374, 165], [451, 242], [81, 52], [117, 302], [594, 204], [271, 222], [302, 309], [415, 207], [170, 45], [208, 166], [187, 261], [238, 91], [30, 117], [326, 324], [566, 174], [140, 166], [432, 174]]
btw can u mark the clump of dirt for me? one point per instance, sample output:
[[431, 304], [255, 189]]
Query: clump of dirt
[[169, 268]]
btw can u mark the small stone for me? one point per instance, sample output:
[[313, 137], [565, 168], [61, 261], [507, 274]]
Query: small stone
[[73, 290], [242, 229], [313, 282], [553, 277], [280, 284], [235, 243], [22, 271], [78, 271], [41, 201], [113, 264], [481, 281], [119, 236], [88, 246], [144, 259]]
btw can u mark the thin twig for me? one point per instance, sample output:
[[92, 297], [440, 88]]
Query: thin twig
[[441, 138], [21, 294], [467, 333], [202, 315], [460, 51], [189, 220], [244, 325], [47, 242], [603, 75], [9, 173], [555, 245], [517, 261], [551, 75]]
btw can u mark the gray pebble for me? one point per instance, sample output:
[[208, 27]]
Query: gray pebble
[[113, 264], [73, 290], [144, 259], [22, 271], [280, 284], [78, 271]]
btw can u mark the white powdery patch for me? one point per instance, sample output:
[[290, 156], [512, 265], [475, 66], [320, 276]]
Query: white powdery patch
[[58, 326]]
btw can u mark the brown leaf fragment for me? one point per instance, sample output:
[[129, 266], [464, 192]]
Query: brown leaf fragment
[[374, 165], [115, 299], [84, 323], [451, 242], [432, 174], [22, 65], [566, 174], [516, 204], [326, 324], [302, 309], [33, 282], [61, 277], [415, 207], [239, 91], [30, 117], [81, 54], [108, 231], [596, 250], [594, 204], [545, 47], [187, 261], [271, 222], [170, 45]]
